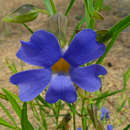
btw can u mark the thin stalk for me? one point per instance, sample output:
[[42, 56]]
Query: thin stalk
[[27, 27], [77, 28], [74, 121], [82, 113], [109, 46], [53, 6], [93, 118], [69, 7], [57, 112]]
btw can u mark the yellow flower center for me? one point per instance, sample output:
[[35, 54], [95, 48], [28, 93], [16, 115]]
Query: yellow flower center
[[61, 66]]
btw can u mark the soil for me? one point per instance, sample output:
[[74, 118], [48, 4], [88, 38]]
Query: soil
[[116, 62]]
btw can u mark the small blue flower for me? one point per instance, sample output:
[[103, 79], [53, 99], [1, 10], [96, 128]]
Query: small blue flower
[[104, 113], [109, 127], [60, 71], [79, 129]]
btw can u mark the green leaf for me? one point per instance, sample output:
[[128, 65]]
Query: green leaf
[[8, 113], [116, 29], [13, 102], [99, 4], [90, 7], [11, 66], [5, 123], [122, 105], [50, 6], [2, 96], [69, 7], [77, 28], [23, 14], [26, 125], [127, 127], [34, 110], [126, 77], [87, 15], [44, 123], [113, 34]]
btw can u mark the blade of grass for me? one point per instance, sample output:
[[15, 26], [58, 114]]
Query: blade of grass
[[69, 7], [44, 123], [13, 102], [2, 96], [50, 6], [5, 123], [111, 43], [8, 114], [77, 28], [12, 66], [53, 6], [26, 125], [99, 4]]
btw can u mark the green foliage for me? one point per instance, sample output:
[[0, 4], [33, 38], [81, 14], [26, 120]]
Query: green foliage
[[11, 66], [69, 7], [113, 34], [43, 118], [26, 125], [13, 102], [98, 4], [8, 113], [5, 123], [50, 6], [127, 127]]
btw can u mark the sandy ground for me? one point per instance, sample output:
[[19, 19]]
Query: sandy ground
[[119, 56]]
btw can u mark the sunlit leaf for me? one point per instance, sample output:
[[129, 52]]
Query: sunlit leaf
[[5, 123], [26, 125], [50, 6], [113, 34], [69, 7], [8, 113], [13, 102]]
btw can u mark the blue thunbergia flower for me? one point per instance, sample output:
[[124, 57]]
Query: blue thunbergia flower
[[60, 70], [104, 113], [79, 129], [109, 127]]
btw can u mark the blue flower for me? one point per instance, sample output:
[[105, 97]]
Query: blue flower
[[79, 129], [60, 70], [104, 113], [109, 127]]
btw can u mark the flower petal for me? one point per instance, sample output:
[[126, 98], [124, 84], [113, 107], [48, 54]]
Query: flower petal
[[84, 48], [31, 83], [42, 49], [109, 127], [87, 77], [104, 113], [61, 87]]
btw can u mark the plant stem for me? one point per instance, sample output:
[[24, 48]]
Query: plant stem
[[53, 6], [74, 121], [27, 27], [84, 126]]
